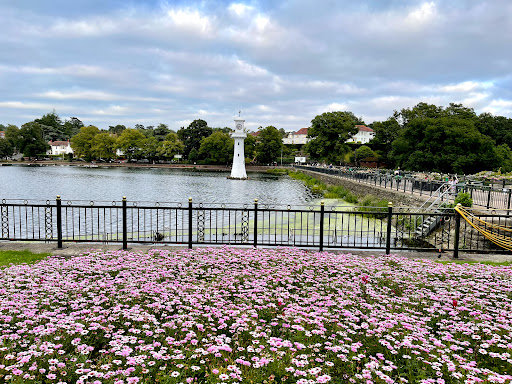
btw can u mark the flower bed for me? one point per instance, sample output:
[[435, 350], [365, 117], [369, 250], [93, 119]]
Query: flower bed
[[252, 316]]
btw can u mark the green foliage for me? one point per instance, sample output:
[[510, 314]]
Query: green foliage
[[192, 136], [170, 146], [250, 147], [447, 144], [30, 140], [6, 149], [463, 199], [20, 257], [373, 204], [83, 142], [329, 192], [269, 147], [131, 142], [329, 132], [217, 148], [103, 146]]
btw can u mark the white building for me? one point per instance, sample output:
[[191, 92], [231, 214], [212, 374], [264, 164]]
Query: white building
[[58, 148], [363, 136], [299, 137]]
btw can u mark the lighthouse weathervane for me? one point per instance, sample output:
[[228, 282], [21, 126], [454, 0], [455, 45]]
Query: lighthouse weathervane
[[238, 168]]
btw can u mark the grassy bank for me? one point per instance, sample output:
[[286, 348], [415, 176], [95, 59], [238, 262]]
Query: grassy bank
[[20, 257], [366, 203]]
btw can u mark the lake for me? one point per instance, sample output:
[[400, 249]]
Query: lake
[[148, 184]]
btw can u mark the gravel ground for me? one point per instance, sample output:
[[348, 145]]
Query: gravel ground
[[76, 249]]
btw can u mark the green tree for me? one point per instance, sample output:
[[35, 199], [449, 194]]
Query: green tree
[[6, 149], [329, 133], [362, 153], [12, 134], [103, 146], [116, 129], [31, 140], [445, 145], [269, 146], [72, 127], [170, 146], [250, 147], [192, 136], [83, 142], [149, 148], [161, 132], [131, 142], [385, 133], [52, 126], [217, 148], [504, 154]]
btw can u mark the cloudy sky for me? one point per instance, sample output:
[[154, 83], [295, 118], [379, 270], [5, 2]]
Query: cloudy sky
[[282, 63]]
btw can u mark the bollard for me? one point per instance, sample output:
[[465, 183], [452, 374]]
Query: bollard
[[59, 222], [255, 223], [322, 211], [125, 228], [388, 229], [189, 223]]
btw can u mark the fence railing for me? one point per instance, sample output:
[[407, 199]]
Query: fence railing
[[321, 226], [489, 197]]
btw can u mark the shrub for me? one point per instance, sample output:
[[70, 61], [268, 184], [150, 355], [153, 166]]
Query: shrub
[[464, 199]]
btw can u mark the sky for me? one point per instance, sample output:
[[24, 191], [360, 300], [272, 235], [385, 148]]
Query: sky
[[280, 63]]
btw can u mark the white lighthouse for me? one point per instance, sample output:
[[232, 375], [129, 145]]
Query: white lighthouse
[[238, 168]]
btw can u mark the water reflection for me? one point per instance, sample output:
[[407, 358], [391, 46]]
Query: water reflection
[[153, 184]]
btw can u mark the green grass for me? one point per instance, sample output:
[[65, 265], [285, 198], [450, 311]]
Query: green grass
[[502, 263], [20, 257]]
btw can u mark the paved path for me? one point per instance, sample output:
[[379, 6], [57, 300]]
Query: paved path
[[76, 249]]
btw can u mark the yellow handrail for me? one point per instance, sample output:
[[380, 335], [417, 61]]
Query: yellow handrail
[[498, 239]]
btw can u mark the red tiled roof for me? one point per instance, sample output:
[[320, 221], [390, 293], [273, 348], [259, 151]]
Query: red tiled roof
[[364, 128], [255, 134], [302, 131], [57, 143]]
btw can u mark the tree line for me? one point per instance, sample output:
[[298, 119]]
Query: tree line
[[426, 137], [195, 143]]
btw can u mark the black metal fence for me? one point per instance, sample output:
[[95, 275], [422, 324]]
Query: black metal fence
[[484, 196], [321, 227]]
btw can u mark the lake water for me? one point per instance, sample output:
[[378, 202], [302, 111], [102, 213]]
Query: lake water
[[148, 184]]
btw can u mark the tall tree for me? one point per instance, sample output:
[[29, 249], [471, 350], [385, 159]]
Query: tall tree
[[445, 145], [31, 140], [329, 133], [83, 142], [131, 142], [170, 146], [193, 134], [269, 146], [72, 127], [103, 146], [217, 148], [52, 126], [161, 131]]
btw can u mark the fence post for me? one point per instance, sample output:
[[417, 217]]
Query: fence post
[[189, 223], [489, 198], [59, 222], [255, 223], [457, 234], [322, 211], [508, 201], [125, 227], [388, 230]]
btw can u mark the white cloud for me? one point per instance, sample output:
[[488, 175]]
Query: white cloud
[[240, 9]]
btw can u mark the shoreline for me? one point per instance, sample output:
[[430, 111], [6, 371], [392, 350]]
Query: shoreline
[[197, 167]]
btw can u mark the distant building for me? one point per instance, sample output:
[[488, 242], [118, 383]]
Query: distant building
[[299, 137], [2, 134], [363, 136], [58, 148]]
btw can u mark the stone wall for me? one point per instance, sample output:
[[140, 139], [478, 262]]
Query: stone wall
[[398, 198]]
